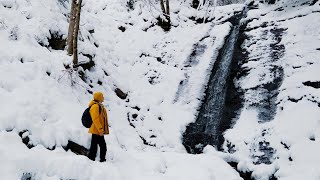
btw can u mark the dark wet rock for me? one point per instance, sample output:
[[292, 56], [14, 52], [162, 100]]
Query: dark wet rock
[[159, 59], [194, 142], [268, 1], [91, 31], [268, 153], [145, 142], [27, 176], [14, 33], [195, 3], [279, 9], [313, 2], [198, 49], [296, 67], [105, 73], [245, 175], [134, 116], [294, 100], [199, 20], [263, 25], [298, 16], [89, 56], [96, 44], [82, 75], [86, 65], [153, 77], [130, 4], [153, 136], [285, 145], [153, 80], [290, 158], [26, 139], [136, 108], [144, 55], [120, 93], [56, 41], [315, 84], [121, 28], [312, 138], [267, 106], [248, 174], [231, 147], [76, 148], [130, 120]]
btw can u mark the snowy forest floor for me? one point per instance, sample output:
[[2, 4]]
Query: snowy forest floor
[[164, 76]]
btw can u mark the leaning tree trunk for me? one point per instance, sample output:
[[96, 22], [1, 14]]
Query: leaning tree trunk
[[162, 7], [166, 12], [76, 32], [167, 9], [71, 27]]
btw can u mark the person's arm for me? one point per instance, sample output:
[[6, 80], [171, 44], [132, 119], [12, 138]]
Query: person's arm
[[94, 112], [106, 121]]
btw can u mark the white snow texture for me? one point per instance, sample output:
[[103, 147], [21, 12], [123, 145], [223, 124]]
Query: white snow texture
[[42, 99]]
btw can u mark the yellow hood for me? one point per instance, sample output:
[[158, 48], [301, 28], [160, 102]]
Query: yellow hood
[[98, 96]]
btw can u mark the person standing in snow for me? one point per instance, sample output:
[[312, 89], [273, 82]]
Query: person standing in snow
[[99, 127]]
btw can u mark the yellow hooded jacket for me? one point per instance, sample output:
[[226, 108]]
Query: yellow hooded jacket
[[99, 120]]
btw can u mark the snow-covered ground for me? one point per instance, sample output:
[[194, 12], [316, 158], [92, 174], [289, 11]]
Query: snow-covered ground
[[164, 84], [143, 61], [280, 119]]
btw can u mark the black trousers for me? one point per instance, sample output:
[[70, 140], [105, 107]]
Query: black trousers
[[95, 141]]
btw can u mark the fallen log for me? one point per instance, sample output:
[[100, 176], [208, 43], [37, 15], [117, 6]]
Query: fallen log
[[76, 148]]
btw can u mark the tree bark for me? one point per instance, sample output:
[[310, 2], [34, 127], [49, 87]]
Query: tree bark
[[165, 24], [71, 27], [162, 7], [167, 9], [168, 14], [76, 32]]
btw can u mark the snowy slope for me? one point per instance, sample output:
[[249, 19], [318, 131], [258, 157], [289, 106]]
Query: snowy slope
[[164, 75], [44, 101], [278, 129]]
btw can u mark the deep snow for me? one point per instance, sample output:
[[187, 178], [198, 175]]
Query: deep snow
[[149, 65], [279, 123], [143, 61]]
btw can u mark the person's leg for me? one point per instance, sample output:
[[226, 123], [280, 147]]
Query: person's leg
[[103, 148], [93, 147]]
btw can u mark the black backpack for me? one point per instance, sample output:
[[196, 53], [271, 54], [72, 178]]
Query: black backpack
[[86, 117]]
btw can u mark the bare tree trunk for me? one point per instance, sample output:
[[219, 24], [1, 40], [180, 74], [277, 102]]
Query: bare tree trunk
[[76, 32], [165, 24], [71, 27], [168, 14], [167, 9], [162, 7]]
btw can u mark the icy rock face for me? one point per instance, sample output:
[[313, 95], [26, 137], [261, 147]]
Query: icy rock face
[[279, 123], [208, 127], [44, 101], [197, 3], [226, 2]]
